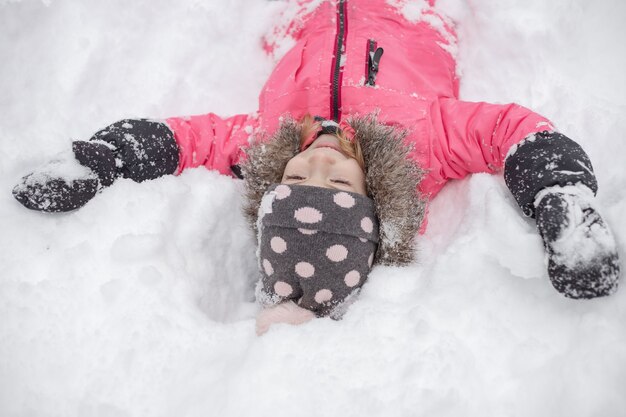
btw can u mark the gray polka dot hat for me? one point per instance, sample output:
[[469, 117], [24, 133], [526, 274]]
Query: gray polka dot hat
[[316, 246]]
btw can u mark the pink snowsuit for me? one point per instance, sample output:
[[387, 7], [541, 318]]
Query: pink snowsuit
[[326, 74]]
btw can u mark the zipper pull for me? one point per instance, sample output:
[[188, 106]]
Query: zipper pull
[[373, 64]]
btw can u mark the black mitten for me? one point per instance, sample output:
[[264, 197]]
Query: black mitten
[[69, 180], [135, 149], [552, 180], [582, 254], [144, 149]]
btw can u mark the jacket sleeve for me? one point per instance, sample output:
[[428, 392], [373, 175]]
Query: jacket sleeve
[[475, 136], [212, 141]]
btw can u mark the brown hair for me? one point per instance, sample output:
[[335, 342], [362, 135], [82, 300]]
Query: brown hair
[[310, 127]]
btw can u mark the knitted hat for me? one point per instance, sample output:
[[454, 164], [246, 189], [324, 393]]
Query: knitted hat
[[316, 245]]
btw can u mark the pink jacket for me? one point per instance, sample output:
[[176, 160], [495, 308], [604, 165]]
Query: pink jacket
[[326, 73]]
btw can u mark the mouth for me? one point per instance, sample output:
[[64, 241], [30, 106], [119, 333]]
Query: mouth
[[329, 146]]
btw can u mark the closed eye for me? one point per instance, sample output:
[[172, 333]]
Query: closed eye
[[294, 177], [344, 182]]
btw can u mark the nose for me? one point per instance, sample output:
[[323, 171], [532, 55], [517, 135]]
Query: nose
[[321, 161], [320, 164], [323, 156]]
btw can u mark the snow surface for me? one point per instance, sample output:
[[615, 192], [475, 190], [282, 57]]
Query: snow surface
[[141, 302]]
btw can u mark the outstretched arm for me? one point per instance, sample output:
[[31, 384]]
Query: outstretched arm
[[476, 136], [211, 141], [551, 178], [138, 149]]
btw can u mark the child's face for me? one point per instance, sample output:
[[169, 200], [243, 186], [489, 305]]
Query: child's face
[[324, 165]]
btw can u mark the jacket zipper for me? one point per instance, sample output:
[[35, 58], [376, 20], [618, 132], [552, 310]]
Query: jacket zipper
[[372, 62], [337, 65]]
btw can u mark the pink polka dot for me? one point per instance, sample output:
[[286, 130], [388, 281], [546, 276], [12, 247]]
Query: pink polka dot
[[308, 215], [363, 239], [337, 253], [352, 278], [344, 200], [282, 191], [370, 260], [307, 231], [305, 269], [283, 289], [323, 295], [367, 225], [267, 266], [278, 244]]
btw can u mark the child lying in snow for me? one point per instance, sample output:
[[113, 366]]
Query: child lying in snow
[[330, 197]]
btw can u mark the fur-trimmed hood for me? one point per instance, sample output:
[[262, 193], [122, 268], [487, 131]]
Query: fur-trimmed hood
[[391, 176]]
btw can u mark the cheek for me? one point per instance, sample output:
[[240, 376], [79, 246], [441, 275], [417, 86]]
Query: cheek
[[294, 166], [354, 173], [353, 170]]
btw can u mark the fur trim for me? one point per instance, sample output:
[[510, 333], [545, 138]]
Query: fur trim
[[391, 176], [265, 163]]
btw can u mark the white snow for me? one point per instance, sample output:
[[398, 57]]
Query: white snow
[[411, 10], [141, 302], [62, 165]]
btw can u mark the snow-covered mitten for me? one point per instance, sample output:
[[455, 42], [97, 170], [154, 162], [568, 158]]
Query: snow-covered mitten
[[552, 180], [69, 180], [582, 254], [144, 149], [136, 149]]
